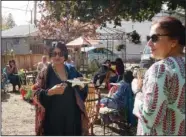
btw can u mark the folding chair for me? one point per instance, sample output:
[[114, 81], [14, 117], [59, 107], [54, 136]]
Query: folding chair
[[91, 105], [113, 115]]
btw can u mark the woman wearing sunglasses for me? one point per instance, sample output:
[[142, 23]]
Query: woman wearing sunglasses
[[60, 108], [160, 100]]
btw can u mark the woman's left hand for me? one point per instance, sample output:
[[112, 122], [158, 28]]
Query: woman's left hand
[[139, 83], [80, 78], [139, 94]]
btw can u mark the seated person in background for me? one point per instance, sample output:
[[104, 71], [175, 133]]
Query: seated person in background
[[70, 61], [5, 71], [123, 97], [42, 64], [101, 74], [119, 71], [12, 72], [4, 76], [119, 98]]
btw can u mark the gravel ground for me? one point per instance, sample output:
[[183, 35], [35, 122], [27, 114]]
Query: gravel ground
[[17, 115], [18, 118]]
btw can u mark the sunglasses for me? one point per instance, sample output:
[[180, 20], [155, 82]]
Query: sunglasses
[[155, 37], [60, 54]]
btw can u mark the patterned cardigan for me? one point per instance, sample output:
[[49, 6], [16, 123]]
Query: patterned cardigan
[[160, 107], [40, 110]]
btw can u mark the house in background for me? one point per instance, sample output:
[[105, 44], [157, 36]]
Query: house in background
[[22, 44], [133, 51], [22, 40]]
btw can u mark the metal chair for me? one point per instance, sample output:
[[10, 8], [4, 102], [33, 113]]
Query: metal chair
[[110, 116], [4, 83], [30, 77]]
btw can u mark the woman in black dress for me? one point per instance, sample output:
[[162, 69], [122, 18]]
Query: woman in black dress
[[60, 108]]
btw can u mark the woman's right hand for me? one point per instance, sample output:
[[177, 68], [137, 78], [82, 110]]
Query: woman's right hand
[[57, 89]]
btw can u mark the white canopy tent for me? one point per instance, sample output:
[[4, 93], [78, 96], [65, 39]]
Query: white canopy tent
[[79, 42]]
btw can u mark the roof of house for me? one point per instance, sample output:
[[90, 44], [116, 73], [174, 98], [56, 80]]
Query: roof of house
[[20, 31]]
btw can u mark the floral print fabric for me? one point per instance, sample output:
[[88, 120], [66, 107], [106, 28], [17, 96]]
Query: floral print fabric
[[161, 109]]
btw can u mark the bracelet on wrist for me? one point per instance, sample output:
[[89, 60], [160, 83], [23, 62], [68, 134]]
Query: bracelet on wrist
[[138, 90]]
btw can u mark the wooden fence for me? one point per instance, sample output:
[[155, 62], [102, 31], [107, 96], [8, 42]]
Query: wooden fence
[[28, 61]]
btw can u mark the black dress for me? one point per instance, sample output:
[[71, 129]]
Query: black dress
[[62, 114]]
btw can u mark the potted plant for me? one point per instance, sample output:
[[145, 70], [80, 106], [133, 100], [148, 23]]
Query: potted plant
[[21, 74], [134, 37], [120, 47]]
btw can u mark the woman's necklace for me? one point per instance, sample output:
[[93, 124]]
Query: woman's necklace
[[57, 74]]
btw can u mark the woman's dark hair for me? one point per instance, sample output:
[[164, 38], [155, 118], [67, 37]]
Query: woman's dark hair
[[11, 61], [173, 27], [128, 76], [60, 46], [119, 61], [107, 61], [119, 66]]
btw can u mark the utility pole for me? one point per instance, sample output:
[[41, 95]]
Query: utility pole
[[35, 12], [6, 52], [31, 17]]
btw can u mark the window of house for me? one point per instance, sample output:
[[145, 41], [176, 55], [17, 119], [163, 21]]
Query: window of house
[[106, 51], [98, 50], [16, 41]]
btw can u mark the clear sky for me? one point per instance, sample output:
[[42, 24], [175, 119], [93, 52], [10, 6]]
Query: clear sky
[[20, 17]]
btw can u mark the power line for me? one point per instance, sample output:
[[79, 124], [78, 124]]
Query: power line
[[19, 9], [27, 7], [7, 11], [22, 7], [10, 9], [14, 8]]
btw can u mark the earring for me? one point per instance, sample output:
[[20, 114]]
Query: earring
[[173, 45]]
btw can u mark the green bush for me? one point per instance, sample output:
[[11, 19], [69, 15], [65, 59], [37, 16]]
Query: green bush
[[120, 47]]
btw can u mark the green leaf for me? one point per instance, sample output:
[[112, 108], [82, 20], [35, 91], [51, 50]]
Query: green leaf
[[106, 10]]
